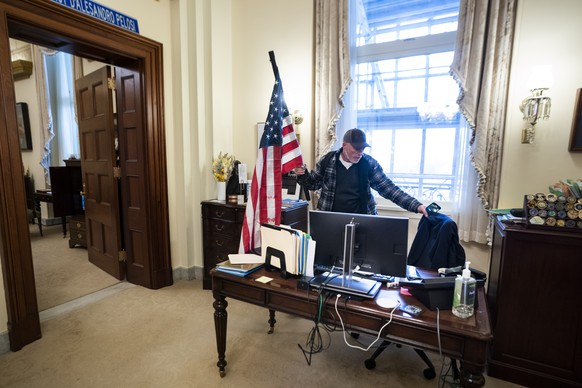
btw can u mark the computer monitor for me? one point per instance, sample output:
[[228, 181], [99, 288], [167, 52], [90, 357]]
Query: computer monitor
[[381, 242]]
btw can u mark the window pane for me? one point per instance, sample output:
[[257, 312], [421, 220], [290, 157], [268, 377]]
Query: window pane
[[410, 92], [406, 151], [443, 89], [382, 150], [440, 149], [391, 20]]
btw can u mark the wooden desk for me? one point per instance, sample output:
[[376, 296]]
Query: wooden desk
[[221, 228], [462, 339]]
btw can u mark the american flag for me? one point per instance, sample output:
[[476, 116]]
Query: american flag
[[279, 153]]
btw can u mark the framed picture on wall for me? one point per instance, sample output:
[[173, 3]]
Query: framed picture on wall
[[576, 135], [23, 126]]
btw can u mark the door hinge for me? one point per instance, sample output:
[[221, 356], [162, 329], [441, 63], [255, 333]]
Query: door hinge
[[122, 255], [117, 172], [111, 83]]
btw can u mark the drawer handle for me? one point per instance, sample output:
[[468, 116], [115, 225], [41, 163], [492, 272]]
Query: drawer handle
[[78, 225], [219, 227], [219, 243], [219, 213]]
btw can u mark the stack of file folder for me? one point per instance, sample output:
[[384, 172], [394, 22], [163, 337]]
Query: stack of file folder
[[292, 246]]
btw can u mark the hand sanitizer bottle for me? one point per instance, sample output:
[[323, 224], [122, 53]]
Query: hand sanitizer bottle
[[464, 297]]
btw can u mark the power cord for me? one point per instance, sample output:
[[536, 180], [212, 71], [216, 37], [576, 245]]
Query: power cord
[[379, 331], [314, 343], [446, 377]]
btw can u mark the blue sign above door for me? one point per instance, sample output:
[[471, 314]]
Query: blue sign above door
[[101, 12]]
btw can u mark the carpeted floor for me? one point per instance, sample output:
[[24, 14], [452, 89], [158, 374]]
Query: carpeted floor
[[130, 336], [61, 273]]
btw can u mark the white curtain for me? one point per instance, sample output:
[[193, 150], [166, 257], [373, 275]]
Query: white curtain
[[332, 70], [481, 67], [55, 76], [47, 133], [61, 92]]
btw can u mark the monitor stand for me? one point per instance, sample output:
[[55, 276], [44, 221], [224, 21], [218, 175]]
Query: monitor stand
[[347, 283]]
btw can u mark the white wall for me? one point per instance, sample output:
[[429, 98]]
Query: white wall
[[547, 34], [286, 28]]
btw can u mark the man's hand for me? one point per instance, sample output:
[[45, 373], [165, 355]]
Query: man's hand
[[300, 170], [422, 209]]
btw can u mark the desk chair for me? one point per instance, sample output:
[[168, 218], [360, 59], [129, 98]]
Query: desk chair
[[429, 373], [435, 245]]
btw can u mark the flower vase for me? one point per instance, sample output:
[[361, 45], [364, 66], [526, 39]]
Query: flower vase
[[221, 191]]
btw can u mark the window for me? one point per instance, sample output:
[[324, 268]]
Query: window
[[60, 87], [403, 95]]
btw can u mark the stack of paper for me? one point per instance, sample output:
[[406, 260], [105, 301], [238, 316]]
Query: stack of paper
[[293, 246]]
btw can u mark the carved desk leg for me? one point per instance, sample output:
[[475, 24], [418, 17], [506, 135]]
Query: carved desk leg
[[64, 223], [471, 375], [37, 209], [220, 321], [272, 321]]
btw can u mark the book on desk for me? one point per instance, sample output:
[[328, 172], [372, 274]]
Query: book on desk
[[238, 269]]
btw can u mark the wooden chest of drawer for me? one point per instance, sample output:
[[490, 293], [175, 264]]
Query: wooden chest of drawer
[[221, 229], [77, 231]]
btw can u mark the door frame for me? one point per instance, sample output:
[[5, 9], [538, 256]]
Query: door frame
[[52, 25]]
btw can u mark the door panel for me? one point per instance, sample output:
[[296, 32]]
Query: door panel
[[97, 140], [132, 161]]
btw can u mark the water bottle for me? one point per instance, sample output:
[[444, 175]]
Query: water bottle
[[464, 296]]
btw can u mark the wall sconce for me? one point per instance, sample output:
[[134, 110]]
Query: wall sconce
[[534, 107]]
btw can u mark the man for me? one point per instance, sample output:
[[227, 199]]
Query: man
[[345, 177]]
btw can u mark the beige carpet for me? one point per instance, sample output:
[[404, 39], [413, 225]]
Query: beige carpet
[[138, 337], [61, 273]]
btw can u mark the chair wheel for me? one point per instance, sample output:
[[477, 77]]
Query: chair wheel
[[370, 364], [429, 373]]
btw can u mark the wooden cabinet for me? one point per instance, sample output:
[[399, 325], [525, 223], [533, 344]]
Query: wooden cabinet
[[535, 303], [221, 229], [77, 231]]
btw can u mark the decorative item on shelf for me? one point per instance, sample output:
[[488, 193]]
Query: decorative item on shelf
[[560, 208], [222, 167], [232, 185], [221, 191]]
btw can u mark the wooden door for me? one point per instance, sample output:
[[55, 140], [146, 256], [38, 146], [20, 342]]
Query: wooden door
[[130, 130], [98, 159]]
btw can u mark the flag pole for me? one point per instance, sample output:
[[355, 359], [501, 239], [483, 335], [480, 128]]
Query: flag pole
[[274, 63], [276, 72]]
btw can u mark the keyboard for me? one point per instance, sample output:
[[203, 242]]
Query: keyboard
[[382, 278], [318, 269]]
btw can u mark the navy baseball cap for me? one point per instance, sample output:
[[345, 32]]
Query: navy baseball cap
[[357, 138]]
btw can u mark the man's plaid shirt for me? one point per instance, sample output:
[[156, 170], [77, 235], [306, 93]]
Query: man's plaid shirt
[[325, 181]]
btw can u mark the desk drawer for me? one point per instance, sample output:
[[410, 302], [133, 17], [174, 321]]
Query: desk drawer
[[222, 212], [77, 224], [78, 236], [226, 229], [77, 231]]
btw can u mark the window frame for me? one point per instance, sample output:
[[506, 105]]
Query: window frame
[[398, 49]]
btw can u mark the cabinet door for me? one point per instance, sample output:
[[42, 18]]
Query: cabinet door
[[538, 325]]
